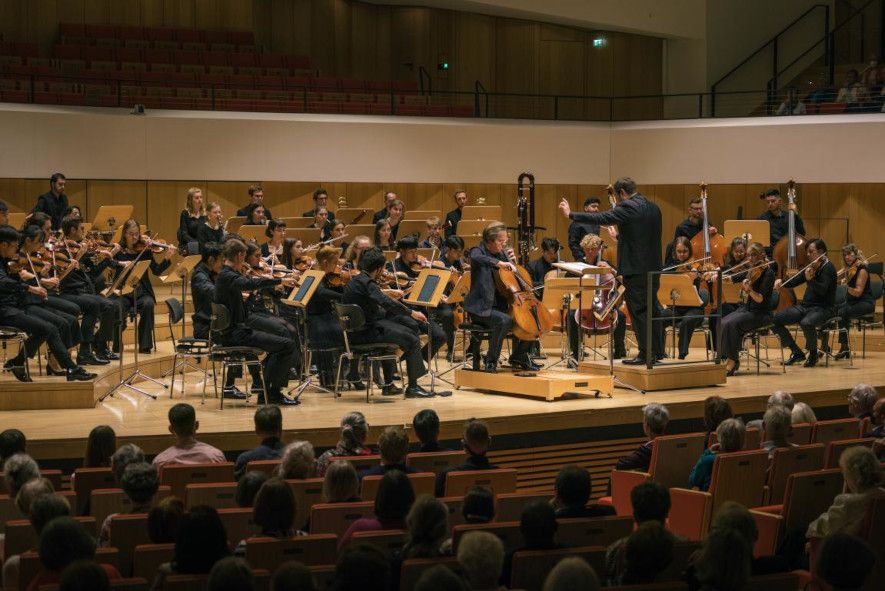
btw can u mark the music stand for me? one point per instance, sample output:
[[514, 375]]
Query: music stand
[[421, 215], [468, 227], [181, 272], [297, 222], [249, 232], [559, 293], [307, 236], [480, 212], [416, 228], [110, 217], [755, 230], [232, 225], [456, 296], [677, 290], [299, 297], [427, 292]]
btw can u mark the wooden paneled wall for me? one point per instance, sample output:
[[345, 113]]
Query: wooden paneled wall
[[838, 212]]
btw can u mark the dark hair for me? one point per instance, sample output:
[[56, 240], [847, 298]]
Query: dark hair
[[45, 508], [292, 576], [694, 200], [538, 523], [395, 496], [252, 248], [440, 578], [729, 256], [63, 541], [273, 225], [201, 541], [8, 234], [31, 232], [183, 418], [140, 482], [625, 184], [426, 425], [210, 250], [248, 487], [573, 486], [70, 223], [716, 410], [478, 505], [476, 431], [363, 567], [684, 242], [372, 260], [38, 218], [725, 560], [250, 210], [4, 207], [378, 225], [318, 192], [254, 189], [12, 441], [230, 574], [454, 242], [268, 419], [407, 243], [164, 520], [84, 575], [233, 248], [845, 561], [549, 244], [772, 193], [590, 201], [57, 176], [100, 446], [648, 551], [818, 244], [274, 509], [650, 501]]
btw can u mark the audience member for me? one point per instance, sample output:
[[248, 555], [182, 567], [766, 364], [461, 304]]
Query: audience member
[[36, 501], [573, 487], [440, 578], [824, 92], [852, 92], [863, 479], [654, 423], [873, 76], [650, 502], [538, 528], [777, 423], [861, 401], [392, 503], [341, 484], [476, 441], [62, 542], [273, 513], [292, 576], [298, 461], [877, 425], [32, 489], [845, 562], [100, 446], [571, 574], [777, 398], [17, 471], [248, 487], [140, 484], [230, 574], [426, 425], [734, 516], [481, 555], [792, 104], [183, 424], [362, 567], [12, 441], [716, 410], [269, 429], [354, 431], [428, 528], [723, 563], [478, 505], [126, 454], [802, 413], [164, 520], [393, 445], [730, 437], [84, 575], [647, 553], [201, 542]]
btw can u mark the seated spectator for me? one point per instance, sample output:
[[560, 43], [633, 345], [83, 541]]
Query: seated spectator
[[778, 398], [298, 461], [393, 445], [248, 487], [654, 423], [12, 441], [571, 574], [730, 437], [183, 424], [538, 528], [845, 562], [164, 520], [877, 425], [100, 446], [647, 553], [32, 489], [126, 454], [863, 479], [392, 503], [427, 526], [201, 542], [861, 401], [873, 76], [802, 413], [481, 555], [777, 422], [18, 471], [426, 425], [441, 578], [573, 487], [716, 410], [354, 431], [84, 575], [792, 104], [273, 513], [478, 505], [341, 484], [42, 507], [852, 92], [735, 516], [230, 574], [823, 92], [140, 484], [269, 429], [650, 502], [723, 563], [62, 542], [292, 576], [362, 567], [476, 441]]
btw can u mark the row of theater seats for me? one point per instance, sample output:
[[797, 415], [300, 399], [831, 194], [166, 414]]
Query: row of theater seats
[[238, 59]]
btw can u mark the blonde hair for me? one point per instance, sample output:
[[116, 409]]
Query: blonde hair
[[730, 434], [432, 222], [492, 230], [802, 413], [481, 555], [328, 252], [350, 253], [591, 241], [190, 201], [860, 468], [340, 483], [298, 461]]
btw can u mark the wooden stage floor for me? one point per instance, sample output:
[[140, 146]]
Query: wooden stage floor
[[61, 433]]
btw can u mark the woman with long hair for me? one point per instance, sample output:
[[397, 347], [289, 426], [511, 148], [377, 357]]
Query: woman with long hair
[[191, 218]]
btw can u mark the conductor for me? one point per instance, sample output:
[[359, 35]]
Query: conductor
[[639, 251]]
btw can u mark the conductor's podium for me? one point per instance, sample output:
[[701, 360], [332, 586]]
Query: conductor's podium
[[548, 385]]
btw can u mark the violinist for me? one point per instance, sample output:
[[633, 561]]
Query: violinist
[[135, 247], [212, 229], [354, 251], [384, 235], [256, 215], [487, 307], [736, 256], [434, 235], [256, 196], [815, 308], [774, 214], [321, 221], [192, 217], [688, 318], [859, 300], [542, 265], [15, 313], [263, 304], [577, 230], [276, 234], [757, 284], [338, 229], [453, 255], [320, 199]]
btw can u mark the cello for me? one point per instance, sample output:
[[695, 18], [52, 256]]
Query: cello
[[531, 318], [789, 253]]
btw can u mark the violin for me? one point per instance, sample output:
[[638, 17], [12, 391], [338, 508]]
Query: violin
[[420, 263], [846, 274], [340, 276], [155, 246]]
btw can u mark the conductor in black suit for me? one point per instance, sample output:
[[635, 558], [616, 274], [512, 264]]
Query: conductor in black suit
[[639, 251]]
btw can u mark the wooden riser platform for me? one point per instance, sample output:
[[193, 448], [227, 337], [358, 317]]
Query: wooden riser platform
[[662, 376], [544, 385]]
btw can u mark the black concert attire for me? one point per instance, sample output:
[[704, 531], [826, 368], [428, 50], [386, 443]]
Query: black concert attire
[[229, 288], [779, 227], [381, 326], [324, 332], [78, 288], [242, 212], [688, 318], [443, 317], [440, 248], [488, 308], [687, 229], [815, 308], [53, 206], [576, 232], [326, 231], [265, 251], [538, 269], [56, 309], [619, 349], [379, 215], [312, 212], [188, 229], [143, 295], [727, 307], [639, 227], [205, 234], [450, 226], [393, 231], [747, 317], [855, 306]]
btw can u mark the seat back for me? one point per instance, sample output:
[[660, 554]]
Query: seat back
[[86, 480], [361, 462], [335, 518], [622, 484], [176, 310], [874, 533], [389, 541], [219, 321], [269, 467], [509, 506], [835, 449], [778, 582], [413, 568], [740, 477], [105, 501], [21, 535], [422, 483], [238, 524], [127, 532], [664, 586], [593, 531], [30, 565], [435, 461], [350, 316], [507, 531], [221, 495], [323, 577], [834, 430], [308, 492], [531, 567], [312, 550], [454, 505], [178, 476], [53, 476], [499, 480], [788, 461], [682, 553], [690, 513], [752, 439], [800, 433], [147, 558], [673, 456], [809, 494]]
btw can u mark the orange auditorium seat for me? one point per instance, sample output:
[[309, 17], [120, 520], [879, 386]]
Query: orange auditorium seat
[[435, 461], [335, 518], [21, 537], [413, 568], [422, 483], [509, 506], [835, 449], [593, 531], [786, 461], [238, 524], [312, 550], [500, 480], [389, 541], [221, 495], [507, 531], [807, 495], [85, 480], [127, 532], [30, 564], [178, 476], [308, 492], [360, 462], [834, 430], [800, 433], [673, 457], [105, 501], [531, 567], [147, 558], [622, 484]]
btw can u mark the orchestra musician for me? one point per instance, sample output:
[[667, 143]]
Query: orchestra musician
[[320, 199], [815, 308], [380, 311], [396, 211], [859, 300], [434, 235], [338, 229], [688, 318], [256, 196], [453, 253], [192, 217], [354, 251], [542, 265], [486, 305], [389, 196], [211, 230], [384, 235], [4, 213], [321, 221], [777, 219], [757, 283], [639, 238], [54, 203], [276, 237], [293, 254], [735, 256], [577, 230], [265, 313], [256, 215], [454, 216], [689, 227]]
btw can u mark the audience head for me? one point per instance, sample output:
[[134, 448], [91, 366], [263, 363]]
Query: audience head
[[63, 541], [573, 486], [481, 555], [340, 483], [17, 471], [269, 421], [31, 491], [736, 517], [354, 429], [292, 576], [140, 482], [395, 496], [654, 419], [802, 413], [428, 525], [648, 551], [298, 461], [476, 437], [100, 447], [201, 541], [845, 561], [440, 578], [426, 425], [650, 502], [777, 423], [724, 560], [12, 441], [730, 435], [84, 575], [248, 487], [478, 505], [861, 400], [164, 520], [128, 453], [861, 469], [393, 443], [362, 567], [47, 507], [183, 420], [716, 410], [230, 574], [538, 524], [274, 510], [571, 574], [781, 398], [879, 412]]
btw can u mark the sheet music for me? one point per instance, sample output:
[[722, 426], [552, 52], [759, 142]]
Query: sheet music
[[579, 268]]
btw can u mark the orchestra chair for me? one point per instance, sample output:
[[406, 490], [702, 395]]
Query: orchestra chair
[[834, 430], [85, 480], [105, 501], [786, 461], [312, 550], [127, 532], [352, 320], [531, 567], [30, 565], [269, 467], [178, 476], [413, 568], [389, 541], [825, 330], [308, 492], [238, 524], [435, 461], [422, 482], [509, 506], [835, 449], [336, 518], [800, 434], [184, 348], [221, 495], [869, 321], [455, 506], [507, 531], [622, 484], [593, 531], [778, 582], [21, 536], [808, 495], [663, 586], [147, 558], [10, 335], [499, 480], [761, 335], [361, 462], [673, 457], [260, 581], [219, 322]]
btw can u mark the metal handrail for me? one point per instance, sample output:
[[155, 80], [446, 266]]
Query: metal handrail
[[479, 89], [422, 75]]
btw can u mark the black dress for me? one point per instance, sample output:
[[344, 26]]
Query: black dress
[[143, 296], [188, 229], [325, 336]]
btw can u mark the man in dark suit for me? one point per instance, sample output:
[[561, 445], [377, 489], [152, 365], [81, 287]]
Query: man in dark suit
[[778, 219], [256, 195], [55, 202], [639, 251], [320, 199], [382, 213], [453, 217]]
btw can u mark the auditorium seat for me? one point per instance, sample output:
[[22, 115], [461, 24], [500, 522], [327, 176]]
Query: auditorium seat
[[311, 550], [664, 586], [127, 532], [673, 457], [531, 567], [85, 480], [413, 568], [507, 531], [435, 461], [360, 462], [389, 541], [147, 558], [178, 476], [778, 582], [260, 578], [509, 506], [800, 433], [53, 476], [308, 492], [454, 505], [752, 439], [770, 528], [422, 483], [335, 518], [30, 564], [238, 524], [622, 484], [21, 536], [500, 480], [105, 501], [269, 467], [835, 449], [221, 495], [786, 461], [593, 531], [807, 496], [834, 430]]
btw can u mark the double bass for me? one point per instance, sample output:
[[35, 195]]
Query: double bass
[[713, 247], [789, 253]]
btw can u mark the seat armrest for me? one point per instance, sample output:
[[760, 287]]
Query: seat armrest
[[690, 513]]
